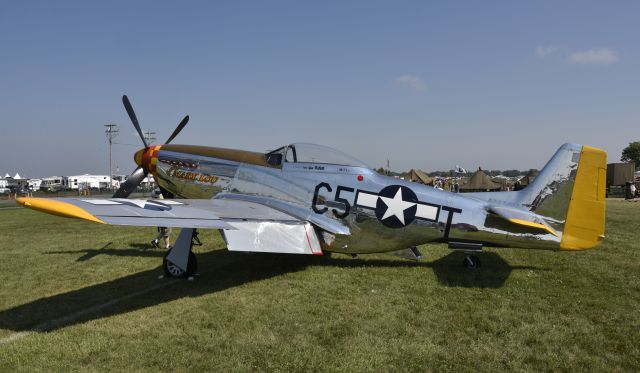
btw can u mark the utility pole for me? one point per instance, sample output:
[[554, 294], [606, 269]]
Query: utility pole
[[149, 136], [111, 132]]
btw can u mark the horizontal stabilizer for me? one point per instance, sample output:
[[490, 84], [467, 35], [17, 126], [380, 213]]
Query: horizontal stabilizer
[[523, 218]]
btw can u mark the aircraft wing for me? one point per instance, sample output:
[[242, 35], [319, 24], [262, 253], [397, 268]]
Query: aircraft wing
[[522, 217], [217, 214], [299, 212], [252, 226]]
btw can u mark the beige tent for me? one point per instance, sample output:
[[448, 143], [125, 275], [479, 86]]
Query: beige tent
[[419, 177], [480, 182], [504, 183]]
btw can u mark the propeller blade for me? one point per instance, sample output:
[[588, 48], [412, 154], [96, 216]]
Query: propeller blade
[[178, 129], [131, 183], [134, 119], [166, 194]]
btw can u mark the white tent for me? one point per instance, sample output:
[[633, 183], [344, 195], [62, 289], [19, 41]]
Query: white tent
[[7, 175], [17, 176]]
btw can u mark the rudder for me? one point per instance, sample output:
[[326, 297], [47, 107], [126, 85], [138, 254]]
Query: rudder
[[584, 225]]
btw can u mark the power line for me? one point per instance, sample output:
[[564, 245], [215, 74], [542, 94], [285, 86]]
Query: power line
[[111, 131], [124, 143], [149, 136]]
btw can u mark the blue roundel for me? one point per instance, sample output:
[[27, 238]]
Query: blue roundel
[[396, 206]]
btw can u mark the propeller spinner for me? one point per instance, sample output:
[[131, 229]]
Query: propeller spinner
[[138, 175]]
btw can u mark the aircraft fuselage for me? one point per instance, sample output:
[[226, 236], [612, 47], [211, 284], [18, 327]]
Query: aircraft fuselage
[[383, 213]]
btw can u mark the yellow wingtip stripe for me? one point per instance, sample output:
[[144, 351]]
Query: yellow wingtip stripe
[[534, 225], [57, 208]]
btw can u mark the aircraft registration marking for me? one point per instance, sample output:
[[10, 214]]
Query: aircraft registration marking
[[395, 206]]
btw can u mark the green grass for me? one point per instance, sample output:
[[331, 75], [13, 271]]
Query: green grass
[[84, 297]]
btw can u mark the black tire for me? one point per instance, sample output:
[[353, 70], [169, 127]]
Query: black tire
[[471, 262], [173, 271]]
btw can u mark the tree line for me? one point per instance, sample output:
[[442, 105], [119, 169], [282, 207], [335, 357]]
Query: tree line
[[632, 153]]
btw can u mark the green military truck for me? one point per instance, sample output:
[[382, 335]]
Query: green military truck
[[618, 174]]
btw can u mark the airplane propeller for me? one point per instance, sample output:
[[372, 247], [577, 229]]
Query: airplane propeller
[[178, 129], [132, 182], [134, 119], [138, 175]]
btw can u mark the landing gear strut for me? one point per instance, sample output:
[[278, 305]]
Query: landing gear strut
[[180, 261], [471, 262]]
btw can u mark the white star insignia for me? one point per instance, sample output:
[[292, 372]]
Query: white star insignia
[[396, 206]]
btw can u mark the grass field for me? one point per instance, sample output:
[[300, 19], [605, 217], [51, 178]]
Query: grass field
[[80, 296]]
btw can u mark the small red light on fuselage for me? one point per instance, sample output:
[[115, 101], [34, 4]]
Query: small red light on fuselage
[[360, 177]]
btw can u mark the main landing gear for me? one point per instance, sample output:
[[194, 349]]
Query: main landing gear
[[172, 270], [180, 261]]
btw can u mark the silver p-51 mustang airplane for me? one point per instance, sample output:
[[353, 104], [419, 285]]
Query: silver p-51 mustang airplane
[[308, 199]]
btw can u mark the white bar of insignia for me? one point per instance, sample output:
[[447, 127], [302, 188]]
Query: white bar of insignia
[[170, 202], [367, 199], [101, 202], [426, 212]]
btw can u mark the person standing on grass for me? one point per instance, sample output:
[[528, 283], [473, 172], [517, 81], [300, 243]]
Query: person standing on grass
[[164, 233]]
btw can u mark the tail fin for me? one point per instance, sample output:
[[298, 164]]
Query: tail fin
[[570, 191]]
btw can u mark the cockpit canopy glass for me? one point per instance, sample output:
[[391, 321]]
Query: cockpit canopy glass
[[312, 153]]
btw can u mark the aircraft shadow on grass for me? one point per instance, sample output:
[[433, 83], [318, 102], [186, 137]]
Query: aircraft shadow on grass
[[135, 250], [220, 270]]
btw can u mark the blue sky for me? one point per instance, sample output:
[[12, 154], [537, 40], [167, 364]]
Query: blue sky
[[425, 84]]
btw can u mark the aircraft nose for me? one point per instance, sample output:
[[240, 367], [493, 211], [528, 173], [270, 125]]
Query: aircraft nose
[[138, 156], [147, 158]]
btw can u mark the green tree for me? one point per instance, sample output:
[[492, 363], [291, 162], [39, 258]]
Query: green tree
[[381, 171], [631, 153]]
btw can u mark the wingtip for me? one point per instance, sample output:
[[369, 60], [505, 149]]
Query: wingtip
[[24, 201], [59, 208]]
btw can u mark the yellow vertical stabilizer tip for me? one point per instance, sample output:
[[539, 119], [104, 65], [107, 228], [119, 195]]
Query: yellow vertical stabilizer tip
[[584, 227], [58, 208]]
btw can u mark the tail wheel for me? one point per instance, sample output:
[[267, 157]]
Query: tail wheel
[[173, 271]]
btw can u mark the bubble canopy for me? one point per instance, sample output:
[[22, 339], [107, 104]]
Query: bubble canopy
[[312, 153]]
